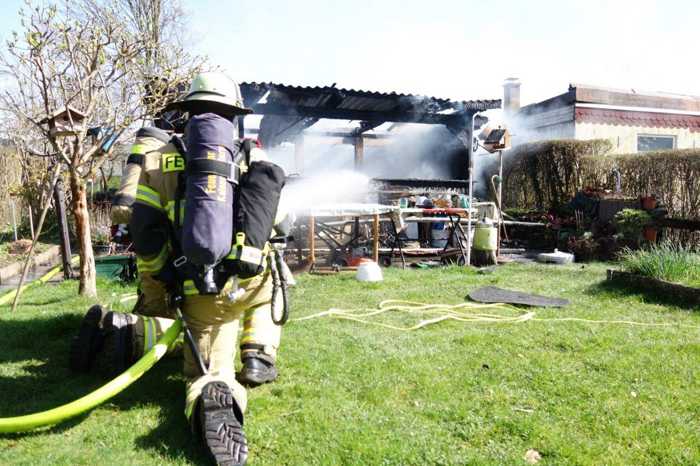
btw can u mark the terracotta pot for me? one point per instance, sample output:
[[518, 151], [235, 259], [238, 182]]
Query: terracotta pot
[[648, 202], [650, 234]]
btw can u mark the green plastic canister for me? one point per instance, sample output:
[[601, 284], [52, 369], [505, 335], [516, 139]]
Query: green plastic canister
[[485, 237]]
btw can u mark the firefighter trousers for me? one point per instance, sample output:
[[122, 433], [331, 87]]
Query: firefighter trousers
[[214, 322]]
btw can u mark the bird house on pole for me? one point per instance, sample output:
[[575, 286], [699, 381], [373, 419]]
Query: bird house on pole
[[495, 139], [65, 122]]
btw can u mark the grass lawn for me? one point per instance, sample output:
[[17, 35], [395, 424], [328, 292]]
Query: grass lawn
[[350, 393]]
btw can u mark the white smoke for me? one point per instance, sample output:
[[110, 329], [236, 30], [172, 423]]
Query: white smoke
[[406, 151], [342, 186], [522, 131], [328, 174], [415, 151]]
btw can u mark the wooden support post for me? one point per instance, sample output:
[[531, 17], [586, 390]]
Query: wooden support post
[[14, 219], [299, 154], [31, 221], [500, 202], [466, 136], [359, 152], [375, 238], [241, 128], [312, 240], [59, 200]]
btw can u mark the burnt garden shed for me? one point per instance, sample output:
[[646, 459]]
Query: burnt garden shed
[[289, 111]]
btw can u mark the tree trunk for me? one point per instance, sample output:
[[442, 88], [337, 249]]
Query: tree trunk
[[79, 207]]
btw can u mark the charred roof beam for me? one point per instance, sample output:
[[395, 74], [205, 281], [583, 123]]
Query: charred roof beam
[[461, 128], [294, 129], [451, 119], [252, 93], [332, 99], [366, 126]]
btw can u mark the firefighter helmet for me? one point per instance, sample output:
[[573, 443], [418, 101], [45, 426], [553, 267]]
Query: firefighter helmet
[[216, 88]]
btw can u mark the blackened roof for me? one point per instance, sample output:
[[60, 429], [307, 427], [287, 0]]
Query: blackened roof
[[290, 109]]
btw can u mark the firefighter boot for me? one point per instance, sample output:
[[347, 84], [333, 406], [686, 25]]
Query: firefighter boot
[[221, 425], [258, 368], [117, 353], [89, 340]]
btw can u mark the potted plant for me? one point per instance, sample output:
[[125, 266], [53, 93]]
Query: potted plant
[[648, 202], [101, 239], [585, 247], [631, 224], [650, 233]]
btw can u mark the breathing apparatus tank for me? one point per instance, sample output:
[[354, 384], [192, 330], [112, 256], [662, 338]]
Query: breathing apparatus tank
[[210, 183], [254, 212]]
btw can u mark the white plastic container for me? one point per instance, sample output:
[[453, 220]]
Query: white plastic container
[[556, 257], [369, 271], [412, 231]]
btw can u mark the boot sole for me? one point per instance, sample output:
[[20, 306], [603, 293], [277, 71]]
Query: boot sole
[[222, 431], [255, 378], [88, 342], [113, 359]]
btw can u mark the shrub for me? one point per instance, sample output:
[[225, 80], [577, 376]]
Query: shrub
[[585, 247], [631, 222], [666, 261], [547, 174], [670, 175]]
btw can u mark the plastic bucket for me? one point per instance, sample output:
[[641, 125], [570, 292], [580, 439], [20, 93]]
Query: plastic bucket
[[439, 235]]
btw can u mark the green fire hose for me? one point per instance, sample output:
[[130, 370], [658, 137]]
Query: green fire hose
[[102, 394], [10, 295]]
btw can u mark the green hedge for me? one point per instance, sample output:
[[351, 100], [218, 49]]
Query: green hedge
[[673, 176], [547, 174]]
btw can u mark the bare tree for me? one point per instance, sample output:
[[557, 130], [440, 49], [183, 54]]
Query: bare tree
[[162, 22], [79, 71]]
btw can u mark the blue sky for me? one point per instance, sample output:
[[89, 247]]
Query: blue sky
[[448, 48]]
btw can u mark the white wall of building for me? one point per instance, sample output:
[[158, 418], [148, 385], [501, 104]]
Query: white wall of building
[[551, 124], [624, 138]]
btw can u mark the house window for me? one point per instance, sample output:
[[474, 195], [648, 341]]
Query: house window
[[648, 142]]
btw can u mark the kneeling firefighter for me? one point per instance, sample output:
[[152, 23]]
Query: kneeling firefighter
[[209, 209], [152, 298], [101, 341]]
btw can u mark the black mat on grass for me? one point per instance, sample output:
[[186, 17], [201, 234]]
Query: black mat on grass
[[493, 294]]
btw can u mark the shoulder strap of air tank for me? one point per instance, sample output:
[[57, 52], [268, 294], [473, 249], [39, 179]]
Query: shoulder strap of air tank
[[179, 145], [247, 145], [180, 191]]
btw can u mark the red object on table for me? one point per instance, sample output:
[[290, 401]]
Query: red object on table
[[447, 211]]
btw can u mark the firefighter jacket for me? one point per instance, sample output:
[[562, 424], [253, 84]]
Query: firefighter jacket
[[154, 217], [147, 140]]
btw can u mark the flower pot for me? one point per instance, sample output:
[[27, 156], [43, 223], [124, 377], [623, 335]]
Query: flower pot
[[650, 234], [100, 249], [648, 202]]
